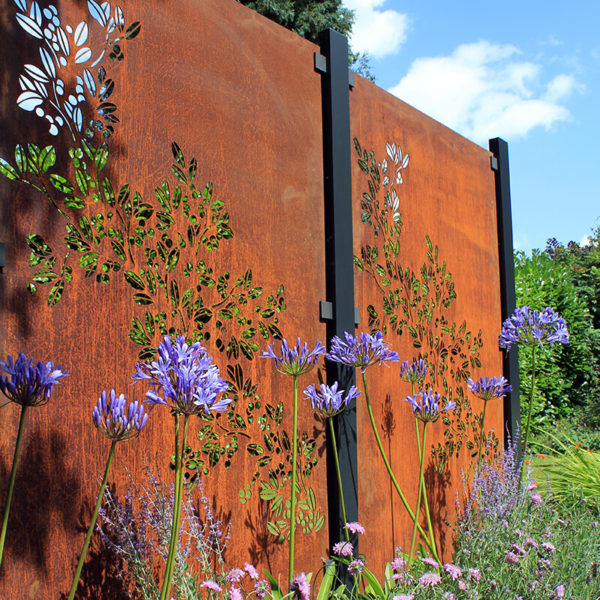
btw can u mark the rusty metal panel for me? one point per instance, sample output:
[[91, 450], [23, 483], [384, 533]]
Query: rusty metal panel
[[442, 187], [240, 94]]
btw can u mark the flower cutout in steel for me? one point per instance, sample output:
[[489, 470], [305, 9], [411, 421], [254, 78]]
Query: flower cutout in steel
[[528, 326], [487, 388], [117, 421], [426, 407], [187, 377], [28, 384], [297, 360], [414, 372], [330, 401], [361, 351]]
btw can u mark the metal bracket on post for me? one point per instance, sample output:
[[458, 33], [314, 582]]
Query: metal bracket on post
[[326, 312], [2, 256], [499, 158], [341, 314], [321, 66]]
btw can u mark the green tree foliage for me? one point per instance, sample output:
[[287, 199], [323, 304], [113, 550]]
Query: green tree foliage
[[567, 279]]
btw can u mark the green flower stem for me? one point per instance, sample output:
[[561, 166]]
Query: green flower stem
[[339, 475], [90, 531], [485, 403], [165, 593], [421, 487], [293, 502], [13, 476], [391, 473], [529, 410]]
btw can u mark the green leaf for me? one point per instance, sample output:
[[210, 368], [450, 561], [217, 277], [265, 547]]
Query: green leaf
[[327, 581], [134, 280], [56, 292], [61, 184], [47, 158], [21, 158], [178, 155], [133, 30], [8, 170], [38, 245]]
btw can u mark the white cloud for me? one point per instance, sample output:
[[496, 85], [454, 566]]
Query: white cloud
[[485, 90], [585, 241], [376, 32]]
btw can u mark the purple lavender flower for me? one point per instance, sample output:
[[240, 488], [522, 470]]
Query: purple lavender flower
[[300, 587], [361, 351], [429, 579], [356, 566], [355, 527], [186, 375], [329, 401], [488, 388], [426, 406], [297, 360], [117, 422], [28, 384], [414, 372], [528, 326], [343, 549]]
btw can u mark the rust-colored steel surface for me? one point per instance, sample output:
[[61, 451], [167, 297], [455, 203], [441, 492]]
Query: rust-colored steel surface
[[441, 187], [240, 94]]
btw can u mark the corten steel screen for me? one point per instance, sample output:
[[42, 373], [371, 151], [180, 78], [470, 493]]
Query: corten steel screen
[[441, 186], [239, 94]]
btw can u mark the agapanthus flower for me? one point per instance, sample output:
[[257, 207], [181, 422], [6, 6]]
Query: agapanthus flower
[[414, 372], [361, 351], [297, 360], [528, 326], [330, 401], [355, 527], [429, 579], [117, 421], [211, 585], [186, 376], [343, 549], [453, 571], [488, 388], [356, 566], [28, 384], [425, 405], [300, 587]]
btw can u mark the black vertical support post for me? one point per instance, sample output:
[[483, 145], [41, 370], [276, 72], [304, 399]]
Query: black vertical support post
[[499, 149], [339, 266]]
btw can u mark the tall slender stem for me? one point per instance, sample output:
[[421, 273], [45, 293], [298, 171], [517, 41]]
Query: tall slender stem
[[528, 412], [293, 500], [90, 531], [485, 402], [339, 475], [391, 473], [421, 491], [179, 457], [13, 476]]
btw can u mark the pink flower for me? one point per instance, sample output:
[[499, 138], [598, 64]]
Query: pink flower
[[532, 486], [343, 549], [536, 499], [559, 592], [548, 546], [511, 558], [356, 566], [403, 597], [531, 542], [355, 527], [430, 562], [398, 564], [235, 593], [211, 585], [429, 579], [234, 575], [475, 574], [462, 586], [300, 587], [452, 570], [251, 570]]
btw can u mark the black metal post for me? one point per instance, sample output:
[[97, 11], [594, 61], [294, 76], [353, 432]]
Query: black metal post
[[339, 262], [499, 149]]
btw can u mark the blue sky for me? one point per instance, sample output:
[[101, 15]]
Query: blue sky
[[526, 71]]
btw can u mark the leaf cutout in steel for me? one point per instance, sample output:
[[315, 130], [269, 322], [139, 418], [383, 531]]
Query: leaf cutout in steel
[[36, 73], [22, 4], [89, 81], [83, 55], [63, 41], [97, 12], [30, 26], [81, 34], [133, 30], [48, 63]]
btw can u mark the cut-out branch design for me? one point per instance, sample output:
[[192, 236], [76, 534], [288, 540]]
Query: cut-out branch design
[[416, 301], [165, 248]]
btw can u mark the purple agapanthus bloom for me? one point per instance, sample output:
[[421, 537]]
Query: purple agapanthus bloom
[[300, 587], [425, 405], [117, 421], [487, 388], [28, 384], [187, 377], [330, 401], [414, 372], [528, 326], [361, 351], [297, 360]]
